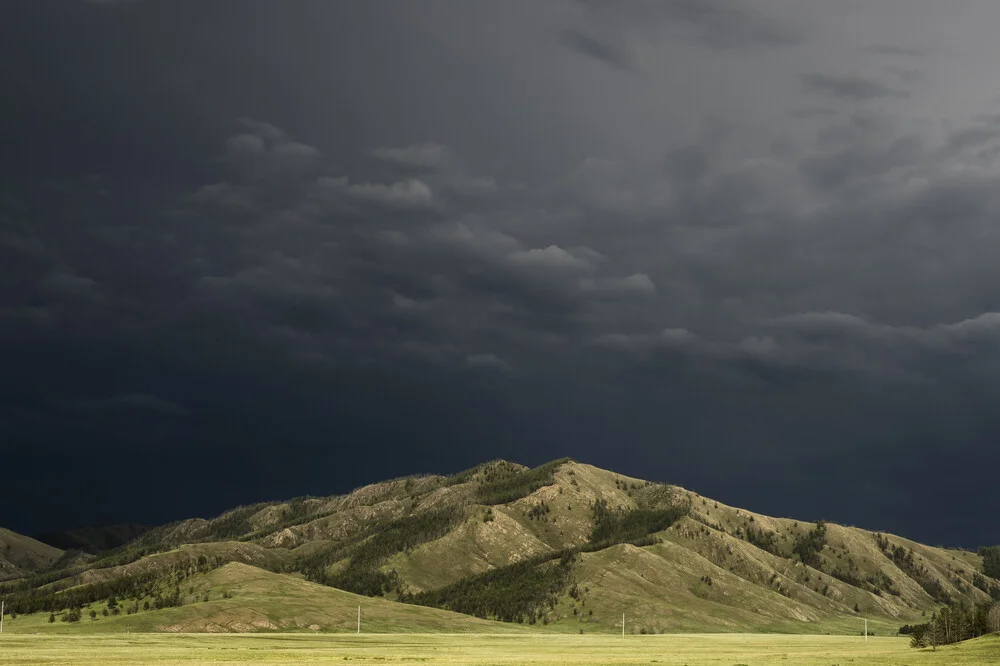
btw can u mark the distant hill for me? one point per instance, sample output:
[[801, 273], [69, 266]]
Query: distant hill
[[241, 598], [564, 546], [93, 540], [23, 556]]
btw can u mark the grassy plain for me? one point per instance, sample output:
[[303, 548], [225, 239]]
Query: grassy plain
[[508, 650]]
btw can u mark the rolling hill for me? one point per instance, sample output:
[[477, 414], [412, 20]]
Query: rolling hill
[[242, 598], [22, 556], [564, 546]]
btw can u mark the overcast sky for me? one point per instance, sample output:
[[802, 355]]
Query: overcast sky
[[252, 250]]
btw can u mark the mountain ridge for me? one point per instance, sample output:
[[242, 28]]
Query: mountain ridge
[[591, 543]]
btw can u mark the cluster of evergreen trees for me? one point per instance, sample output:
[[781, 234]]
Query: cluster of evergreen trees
[[986, 585], [505, 484], [904, 559], [362, 574], [808, 546], [991, 561], [520, 592], [613, 526], [161, 588], [876, 583], [764, 540], [954, 623]]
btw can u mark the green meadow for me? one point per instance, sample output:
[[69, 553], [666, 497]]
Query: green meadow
[[473, 649]]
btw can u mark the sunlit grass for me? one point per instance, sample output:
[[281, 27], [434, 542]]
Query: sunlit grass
[[541, 649]]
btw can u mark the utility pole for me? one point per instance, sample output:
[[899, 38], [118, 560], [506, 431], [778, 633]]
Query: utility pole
[[359, 619], [623, 625], [1, 615], [866, 630]]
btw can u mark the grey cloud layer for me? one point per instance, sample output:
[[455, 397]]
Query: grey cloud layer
[[716, 254], [403, 265], [854, 88]]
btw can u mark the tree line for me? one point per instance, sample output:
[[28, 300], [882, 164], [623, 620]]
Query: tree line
[[504, 483], [520, 592], [904, 559], [954, 623], [991, 561], [614, 526], [362, 574], [157, 585]]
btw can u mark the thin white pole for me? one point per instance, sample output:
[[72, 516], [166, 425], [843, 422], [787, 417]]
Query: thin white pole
[[359, 619], [1, 615], [623, 625], [866, 630]]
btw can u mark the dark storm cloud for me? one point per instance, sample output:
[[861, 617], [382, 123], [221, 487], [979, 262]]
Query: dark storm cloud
[[145, 401], [727, 24], [396, 267], [718, 24], [853, 88], [421, 156], [908, 51], [860, 161], [980, 137], [814, 112], [596, 49], [402, 238]]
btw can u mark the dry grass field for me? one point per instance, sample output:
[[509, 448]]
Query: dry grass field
[[471, 649]]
